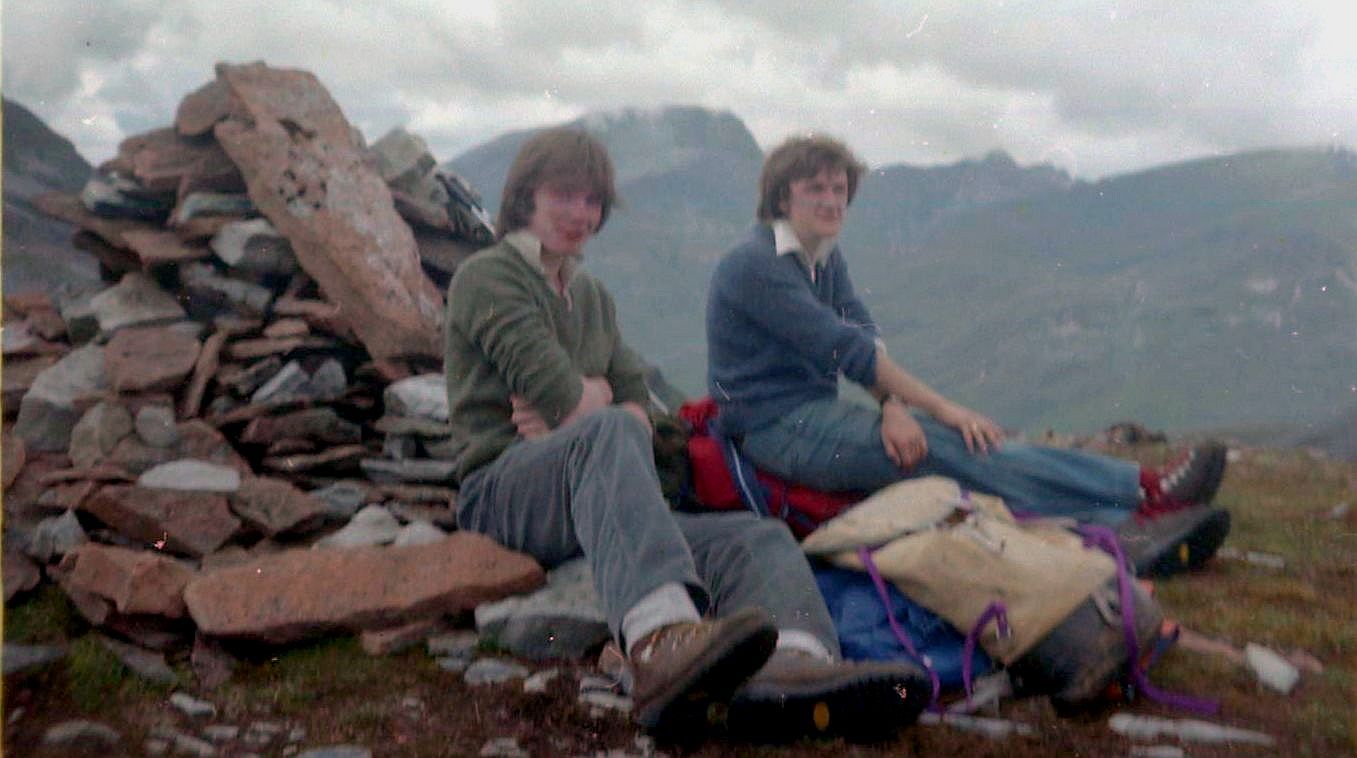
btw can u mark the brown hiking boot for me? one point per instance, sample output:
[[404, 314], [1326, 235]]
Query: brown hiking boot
[[680, 670], [798, 695]]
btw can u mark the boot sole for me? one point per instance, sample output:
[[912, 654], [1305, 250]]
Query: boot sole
[[684, 707], [858, 706], [1187, 551]]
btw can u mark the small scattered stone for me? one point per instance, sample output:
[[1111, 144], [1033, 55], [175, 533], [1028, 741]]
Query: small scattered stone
[[455, 664], [336, 751], [593, 683], [261, 733], [220, 733], [493, 671], [156, 746], [1139, 727], [1274, 671], [412, 704], [146, 664], [503, 747], [187, 744], [1266, 560], [607, 701], [460, 644], [296, 734], [1156, 751], [191, 706], [1339, 511], [396, 639], [995, 729], [561, 620], [79, 733], [537, 683]]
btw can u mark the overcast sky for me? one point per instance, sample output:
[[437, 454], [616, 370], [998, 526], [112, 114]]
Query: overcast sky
[[1094, 87]]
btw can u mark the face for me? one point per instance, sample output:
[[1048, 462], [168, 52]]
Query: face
[[815, 205], [565, 216]]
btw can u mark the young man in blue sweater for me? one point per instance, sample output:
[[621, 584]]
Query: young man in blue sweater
[[783, 323]]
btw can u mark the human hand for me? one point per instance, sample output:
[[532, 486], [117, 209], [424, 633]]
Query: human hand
[[527, 420], [901, 435], [596, 394], [979, 430]]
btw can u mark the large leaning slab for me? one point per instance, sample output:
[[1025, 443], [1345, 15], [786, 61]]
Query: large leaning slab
[[307, 173], [298, 594]]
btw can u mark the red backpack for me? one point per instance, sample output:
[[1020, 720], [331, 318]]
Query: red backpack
[[722, 479]]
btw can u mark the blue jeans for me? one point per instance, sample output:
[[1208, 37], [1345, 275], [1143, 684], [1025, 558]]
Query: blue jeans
[[835, 445]]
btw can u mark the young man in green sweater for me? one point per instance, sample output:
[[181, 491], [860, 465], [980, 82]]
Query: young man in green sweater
[[549, 405]]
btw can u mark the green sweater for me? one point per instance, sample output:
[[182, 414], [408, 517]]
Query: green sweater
[[509, 333]]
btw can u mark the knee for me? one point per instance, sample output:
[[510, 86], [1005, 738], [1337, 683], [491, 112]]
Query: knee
[[613, 421]]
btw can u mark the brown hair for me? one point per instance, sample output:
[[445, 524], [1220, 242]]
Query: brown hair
[[802, 158], [554, 155]]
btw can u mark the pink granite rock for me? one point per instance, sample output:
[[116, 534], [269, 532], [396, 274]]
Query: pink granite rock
[[194, 523], [273, 506], [134, 581], [138, 359], [297, 594], [203, 108], [307, 173]]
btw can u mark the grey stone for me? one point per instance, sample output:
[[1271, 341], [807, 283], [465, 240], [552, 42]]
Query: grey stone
[[220, 733], [410, 470], [293, 383], [255, 246], [422, 396], [995, 729], [18, 657], [246, 380], [402, 158], [109, 194], [197, 204], [79, 733], [593, 683], [458, 644], [144, 663], [561, 620], [191, 706], [296, 734], [1274, 671], [244, 297], [156, 746], [336, 751], [82, 325], [443, 448], [55, 536], [156, 426], [342, 499], [493, 671], [261, 733], [503, 747], [135, 301], [97, 432], [1138, 727], [192, 475], [187, 744], [47, 412], [373, 525], [452, 664], [418, 533], [399, 447]]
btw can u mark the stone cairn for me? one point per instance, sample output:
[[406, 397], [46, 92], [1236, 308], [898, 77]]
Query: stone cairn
[[244, 436]]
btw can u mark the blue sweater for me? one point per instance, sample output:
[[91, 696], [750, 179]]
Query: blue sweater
[[775, 339]]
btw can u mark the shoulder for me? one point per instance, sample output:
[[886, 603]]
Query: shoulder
[[755, 251], [497, 263]]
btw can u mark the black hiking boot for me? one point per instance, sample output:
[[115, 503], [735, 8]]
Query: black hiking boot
[[1174, 542], [798, 695]]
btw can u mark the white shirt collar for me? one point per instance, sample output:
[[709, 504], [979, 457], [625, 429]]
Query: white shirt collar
[[526, 244], [787, 243]]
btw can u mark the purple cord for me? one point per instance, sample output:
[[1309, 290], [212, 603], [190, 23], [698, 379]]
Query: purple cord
[[1105, 539], [997, 612], [865, 555]]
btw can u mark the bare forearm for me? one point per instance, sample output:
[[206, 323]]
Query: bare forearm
[[894, 380]]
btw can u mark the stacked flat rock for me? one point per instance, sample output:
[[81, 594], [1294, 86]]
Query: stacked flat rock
[[259, 366]]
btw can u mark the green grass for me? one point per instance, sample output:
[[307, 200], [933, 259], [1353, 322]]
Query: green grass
[[46, 617]]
